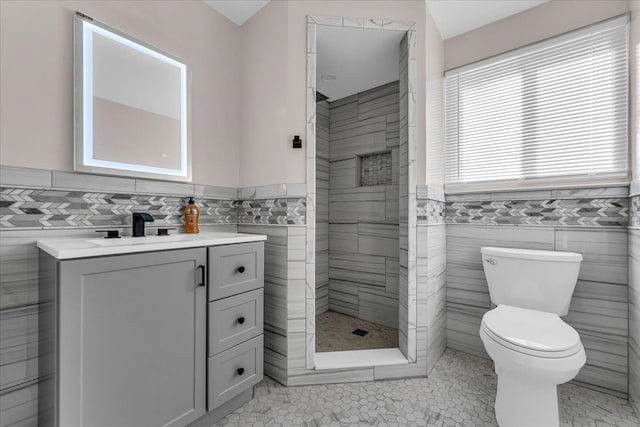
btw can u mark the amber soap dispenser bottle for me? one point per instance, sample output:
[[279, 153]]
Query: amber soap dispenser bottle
[[191, 214]]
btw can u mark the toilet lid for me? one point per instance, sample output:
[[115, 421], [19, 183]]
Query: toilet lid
[[531, 329]]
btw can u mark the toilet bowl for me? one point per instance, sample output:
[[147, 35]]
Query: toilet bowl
[[533, 352], [532, 348]]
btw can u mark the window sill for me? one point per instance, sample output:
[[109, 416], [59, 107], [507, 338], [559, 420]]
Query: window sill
[[511, 187]]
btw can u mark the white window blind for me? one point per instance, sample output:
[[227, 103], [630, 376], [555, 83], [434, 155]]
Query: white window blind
[[553, 110]]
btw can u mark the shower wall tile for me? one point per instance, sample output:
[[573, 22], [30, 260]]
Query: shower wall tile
[[367, 270], [342, 173], [352, 146], [343, 237], [378, 239], [359, 210], [20, 406], [403, 197], [378, 306], [363, 220], [392, 267]]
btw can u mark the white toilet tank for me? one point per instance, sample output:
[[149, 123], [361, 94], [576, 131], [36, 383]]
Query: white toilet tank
[[537, 280]]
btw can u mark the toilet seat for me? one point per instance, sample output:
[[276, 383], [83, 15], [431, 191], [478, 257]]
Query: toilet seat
[[535, 333]]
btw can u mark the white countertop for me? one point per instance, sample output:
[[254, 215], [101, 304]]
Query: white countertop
[[71, 248]]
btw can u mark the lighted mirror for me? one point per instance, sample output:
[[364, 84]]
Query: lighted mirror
[[131, 113]]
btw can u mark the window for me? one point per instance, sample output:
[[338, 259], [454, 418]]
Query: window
[[553, 111]]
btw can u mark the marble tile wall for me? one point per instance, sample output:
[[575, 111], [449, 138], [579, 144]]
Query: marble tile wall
[[634, 302], [598, 311], [431, 276], [407, 301], [363, 219], [322, 207]]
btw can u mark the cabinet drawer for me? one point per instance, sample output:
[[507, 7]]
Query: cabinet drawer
[[234, 269], [234, 371], [234, 320]]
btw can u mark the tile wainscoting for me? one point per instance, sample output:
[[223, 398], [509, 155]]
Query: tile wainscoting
[[431, 274], [363, 256], [37, 204], [634, 300], [589, 221]]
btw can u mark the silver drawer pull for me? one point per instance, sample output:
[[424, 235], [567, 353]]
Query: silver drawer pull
[[491, 261]]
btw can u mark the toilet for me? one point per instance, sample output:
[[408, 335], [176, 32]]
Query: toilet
[[532, 348]]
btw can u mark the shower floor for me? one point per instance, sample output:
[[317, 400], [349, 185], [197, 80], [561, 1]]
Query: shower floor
[[334, 333]]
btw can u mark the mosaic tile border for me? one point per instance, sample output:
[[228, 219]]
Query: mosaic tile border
[[282, 211], [634, 211], [581, 212], [430, 212], [28, 208]]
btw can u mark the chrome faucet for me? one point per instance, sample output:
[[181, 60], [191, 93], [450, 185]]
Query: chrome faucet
[[139, 218]]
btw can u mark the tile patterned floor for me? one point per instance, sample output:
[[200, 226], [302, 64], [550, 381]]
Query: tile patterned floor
[[459, 392], [334, 333]]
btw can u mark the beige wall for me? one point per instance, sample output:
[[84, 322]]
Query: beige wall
[[280, 28], [36, 78], [634, 47], [538, 23], [265, 148], [435, 106]]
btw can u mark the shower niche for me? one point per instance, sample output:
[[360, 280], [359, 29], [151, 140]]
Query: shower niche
[[358, 149]]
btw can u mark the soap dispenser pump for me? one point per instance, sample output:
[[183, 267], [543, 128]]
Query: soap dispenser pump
[[191, 214]]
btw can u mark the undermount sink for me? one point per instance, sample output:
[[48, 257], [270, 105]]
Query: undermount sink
[[146, 240]]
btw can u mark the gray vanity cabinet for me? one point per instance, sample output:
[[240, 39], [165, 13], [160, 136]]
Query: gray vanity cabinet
[[236, 295], [131, 339]]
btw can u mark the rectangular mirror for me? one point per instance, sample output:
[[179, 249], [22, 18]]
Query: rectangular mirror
[[131, 106]]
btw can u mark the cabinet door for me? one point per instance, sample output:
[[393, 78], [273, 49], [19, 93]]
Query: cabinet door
[[132, 340]]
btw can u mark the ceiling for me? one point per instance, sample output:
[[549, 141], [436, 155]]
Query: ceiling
[[455, 17], [363, 59], [452, 17], [237, 11], [359, 59]]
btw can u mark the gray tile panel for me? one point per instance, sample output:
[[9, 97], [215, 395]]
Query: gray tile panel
[[96, 183], [634, 315], [598, 308], [11, 176]]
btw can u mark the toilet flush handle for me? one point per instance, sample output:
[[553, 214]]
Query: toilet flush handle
[[491, 261]]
